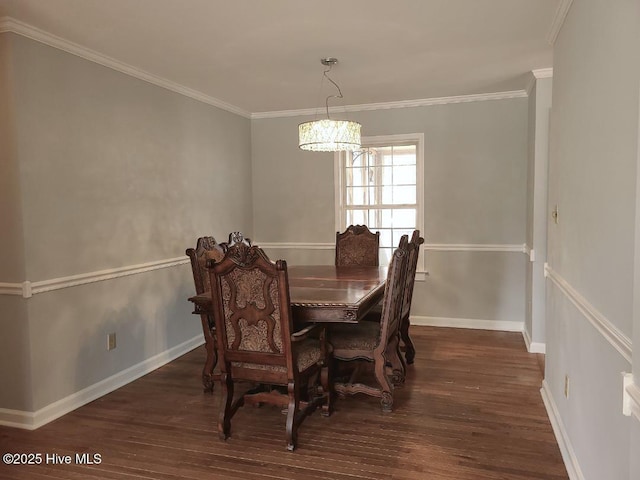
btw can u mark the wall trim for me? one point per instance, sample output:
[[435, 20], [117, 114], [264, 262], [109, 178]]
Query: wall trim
[[422, 102], [558, 20], [472, 323], [10, 288], [543, 73], [533, 347], [28, 289], [634, 396], [33, 420], [608, 330], [9, 24], [475, 247], [560, 432]]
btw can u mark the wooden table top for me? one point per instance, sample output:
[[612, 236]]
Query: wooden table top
[[325, 293]]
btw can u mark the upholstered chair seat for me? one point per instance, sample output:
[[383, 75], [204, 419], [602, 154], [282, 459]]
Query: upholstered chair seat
[[355, 337], [309, 354]]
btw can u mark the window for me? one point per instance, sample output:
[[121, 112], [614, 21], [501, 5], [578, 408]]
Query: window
[[381, 186]]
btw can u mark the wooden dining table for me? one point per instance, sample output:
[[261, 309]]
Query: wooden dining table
[[330, 294], [326, 293]]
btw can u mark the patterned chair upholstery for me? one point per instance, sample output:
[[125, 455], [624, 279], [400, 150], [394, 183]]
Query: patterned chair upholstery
[[206, 249], [257, 343], [357, 245], [376, 342]]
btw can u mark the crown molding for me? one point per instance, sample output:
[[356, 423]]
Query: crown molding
[[9, 24], [542, 73], [558, 20], [424, 102]]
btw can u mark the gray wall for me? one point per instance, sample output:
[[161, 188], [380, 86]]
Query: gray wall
[[475, 193], [592, 178], [113, 172]]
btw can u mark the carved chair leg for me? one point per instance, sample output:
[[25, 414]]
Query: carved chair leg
[[327, 390], [396, 365], [293, 417], [212, 356], [410, 349], [385, 386], [226, 406]]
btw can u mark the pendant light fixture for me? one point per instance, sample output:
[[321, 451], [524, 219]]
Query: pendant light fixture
[[329, 135]]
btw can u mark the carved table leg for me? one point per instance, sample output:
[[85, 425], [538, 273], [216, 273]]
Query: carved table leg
[[212, 356], [410, 350]]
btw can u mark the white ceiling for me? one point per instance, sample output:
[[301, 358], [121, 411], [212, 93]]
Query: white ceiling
[[264, 55]]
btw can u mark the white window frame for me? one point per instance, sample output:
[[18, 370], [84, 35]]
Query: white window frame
[[383, 141]]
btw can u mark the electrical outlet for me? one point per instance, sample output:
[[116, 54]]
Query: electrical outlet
[[111, 341], [566, 386]]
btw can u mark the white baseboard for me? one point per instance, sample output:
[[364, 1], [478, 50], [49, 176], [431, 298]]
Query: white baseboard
[[566, 449], [475, 323], [33, 420], [533, 347]]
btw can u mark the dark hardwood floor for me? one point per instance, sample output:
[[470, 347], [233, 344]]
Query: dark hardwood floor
[[470, 409]]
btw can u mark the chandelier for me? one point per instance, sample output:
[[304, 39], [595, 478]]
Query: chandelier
[[329, 135]]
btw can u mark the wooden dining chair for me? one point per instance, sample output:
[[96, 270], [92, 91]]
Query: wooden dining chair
[[410, 280], [376, 342], [405, 311], [357, 245], [257, 342], [206, 249]]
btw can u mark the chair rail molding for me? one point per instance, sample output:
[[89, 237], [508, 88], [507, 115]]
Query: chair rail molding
[[27, 288], [475, 247], [603, 325]]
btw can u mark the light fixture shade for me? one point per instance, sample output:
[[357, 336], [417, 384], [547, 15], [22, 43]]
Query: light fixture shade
[[329, 135]]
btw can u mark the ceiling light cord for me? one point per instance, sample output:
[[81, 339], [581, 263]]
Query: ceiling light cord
[[326, 102]]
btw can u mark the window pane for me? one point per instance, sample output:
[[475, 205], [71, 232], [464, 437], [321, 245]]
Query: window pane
[[404, 195], [388, 175], [387, 194], [356, 217], [358, 177], [405, 175], [356, 195], [386, 237], [404, 218], [385, 256]]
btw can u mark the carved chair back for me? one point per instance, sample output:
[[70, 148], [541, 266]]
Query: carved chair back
[[357, 245], [394, 294], [251, 308], [410, 277], [206, 249]]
